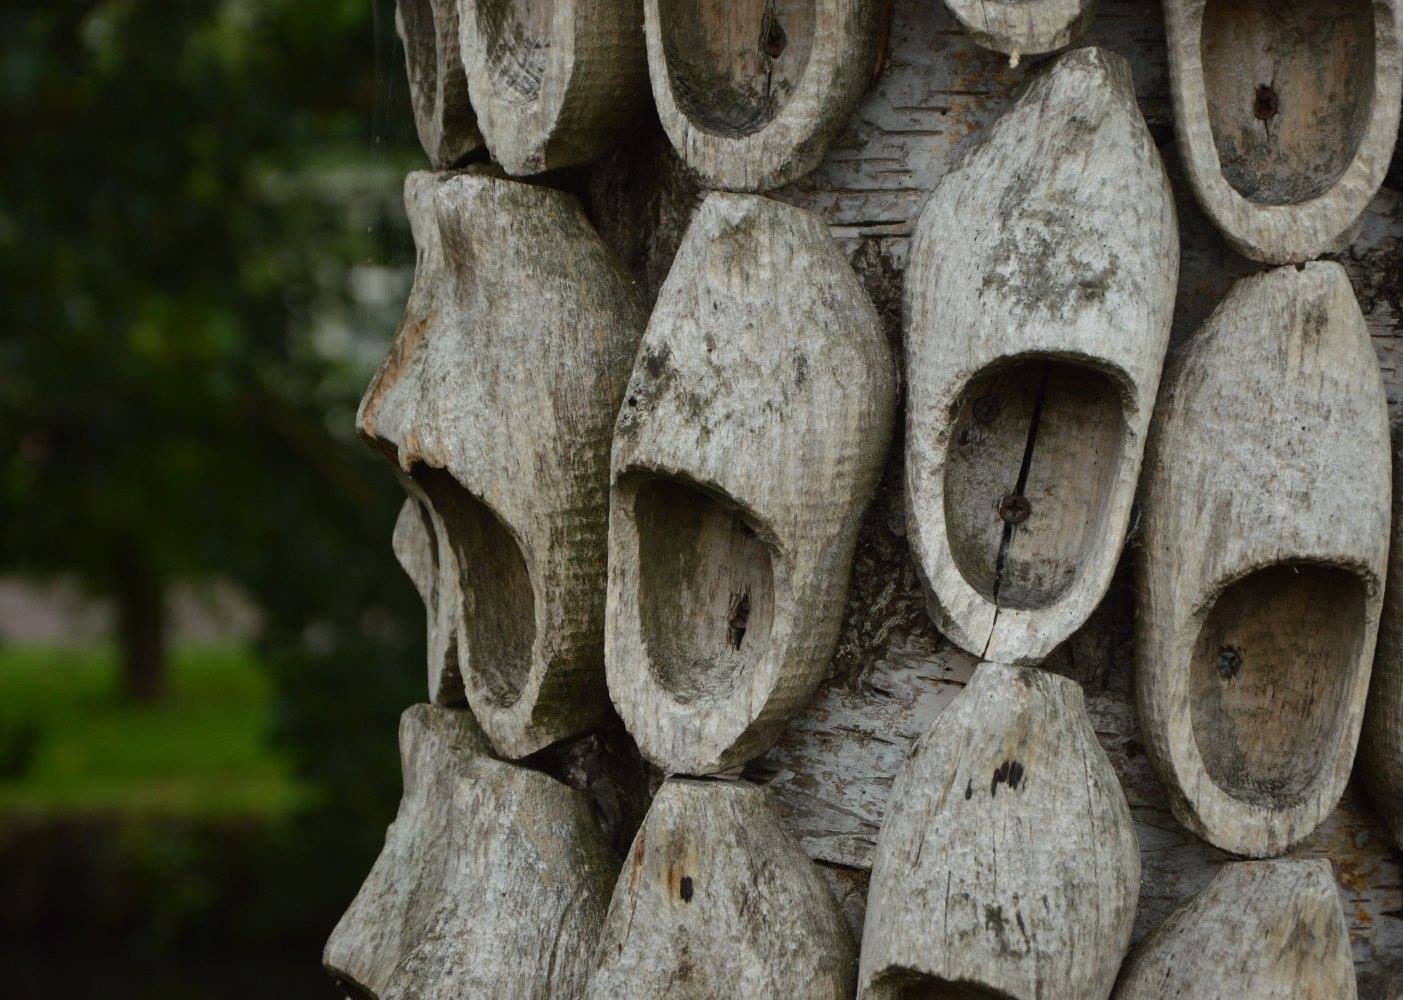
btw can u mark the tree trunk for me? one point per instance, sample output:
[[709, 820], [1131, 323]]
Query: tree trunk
[[139, 593]]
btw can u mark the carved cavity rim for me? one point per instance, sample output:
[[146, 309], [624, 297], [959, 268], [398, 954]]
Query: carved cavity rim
[[706, 589]]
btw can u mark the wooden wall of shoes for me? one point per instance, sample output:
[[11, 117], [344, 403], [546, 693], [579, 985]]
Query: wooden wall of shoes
[[661, 517]]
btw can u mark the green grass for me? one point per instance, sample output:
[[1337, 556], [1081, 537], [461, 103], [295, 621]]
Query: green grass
[[70, 745]]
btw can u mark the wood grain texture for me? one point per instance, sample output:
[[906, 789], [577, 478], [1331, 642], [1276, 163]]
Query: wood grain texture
[[716, 900], [416, 547], [553, 81], [752, 92], [1381, 740], [1287, 116], [1266, 533], [1023, 27], [438, 87], [750, 441], [1008, 863], [1261, 930], [1038, 309], [831, 770], [496, 404], [493, 882]]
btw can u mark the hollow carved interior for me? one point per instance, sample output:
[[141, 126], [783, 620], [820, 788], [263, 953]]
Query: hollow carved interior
[[517, 38], [1270, 676], [1029, 474], [911, 986], [1289, 89], [420, 54], [734, 65], [499, 609], [705, 589]]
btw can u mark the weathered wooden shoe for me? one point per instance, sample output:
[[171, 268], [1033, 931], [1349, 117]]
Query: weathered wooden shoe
[[1261, 930], [1286, 116], [438, 87], [493, 882], [1261, 578], [1381, 742], [751, 92], [748, 446], [717, 900], [553, 83], [1007, 865], [1038, 307], [416, 548], [497, 402], [1023, 27]]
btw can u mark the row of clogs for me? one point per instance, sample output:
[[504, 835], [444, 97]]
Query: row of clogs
[[1008, 868], [722, 504], [1286, 119]]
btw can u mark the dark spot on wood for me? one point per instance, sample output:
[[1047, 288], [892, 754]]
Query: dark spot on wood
[[738, 619], [1267, 104], [1010, 773], [969, 790], [1229, 662], [775, 39], [685, 889], [1014, 508]]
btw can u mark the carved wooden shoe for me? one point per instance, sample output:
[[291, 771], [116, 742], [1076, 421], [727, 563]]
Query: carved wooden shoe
[[1023, 27], [493, 882], [416, 547], [497, 402], [1007, 865], [751, 92], [1038, 306], [1286, 116], [1266, 533], [553, 81], [438, 87], [1262, 930], [749, 444], [1381, 742], [717, 900]]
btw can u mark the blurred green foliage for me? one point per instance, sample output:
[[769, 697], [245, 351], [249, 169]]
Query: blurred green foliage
[[191, 197], [76, 748]]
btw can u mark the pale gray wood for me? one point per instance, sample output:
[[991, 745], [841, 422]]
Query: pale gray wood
[[748, 446], [417, 549], [716, 900], [1023, 27], [1038, 310], [553, 81], [497, 403], [1008, 865], [1266, 532], [493, 882], [830, 771], [751, 92], [1287, 116], [438, 88], [1381, 739], [1262, 930]]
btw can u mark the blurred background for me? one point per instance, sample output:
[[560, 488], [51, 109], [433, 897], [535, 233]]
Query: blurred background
[[205, 641]]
